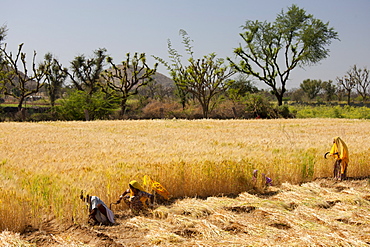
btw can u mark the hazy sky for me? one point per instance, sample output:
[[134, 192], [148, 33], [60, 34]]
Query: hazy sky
[[69, 28]]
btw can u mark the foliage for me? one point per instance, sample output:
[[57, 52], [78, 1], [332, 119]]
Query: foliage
[[125, 80], [240, 88], [257, 106], [350, 112], [75, 106], [86, 71], [274, 49], [329, 89], [204, 78], [311, 87], [55, 77]]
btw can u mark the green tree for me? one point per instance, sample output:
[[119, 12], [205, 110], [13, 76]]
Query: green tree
[[240, 87], [205, 77], [85, 73], [274, 49], [55, 77], [330, 89], [18, 82], [124, 80], [76, 106], [311, 88], [296, 94]]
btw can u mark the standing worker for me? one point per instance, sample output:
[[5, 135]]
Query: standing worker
[[339, 151]]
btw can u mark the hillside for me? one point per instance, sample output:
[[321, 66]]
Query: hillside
[[160, 78], [319, 213], [163, 80]]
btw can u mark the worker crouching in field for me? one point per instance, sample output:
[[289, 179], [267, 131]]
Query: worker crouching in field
[[339, 151], [136, 198], [99, 213]]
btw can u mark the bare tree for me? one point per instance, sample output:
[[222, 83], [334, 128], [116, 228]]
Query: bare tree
[[124, 80], [348, 84], [361, 79], [17, 82]]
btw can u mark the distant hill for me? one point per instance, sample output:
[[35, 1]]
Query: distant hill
[[163, 80], [160, 78]]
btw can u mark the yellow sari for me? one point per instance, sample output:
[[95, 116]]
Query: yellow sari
[[340, 151]]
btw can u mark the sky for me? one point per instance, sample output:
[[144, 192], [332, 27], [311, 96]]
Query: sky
[[70, 28]]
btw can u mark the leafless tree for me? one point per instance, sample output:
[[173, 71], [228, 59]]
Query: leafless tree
[[361, 79]]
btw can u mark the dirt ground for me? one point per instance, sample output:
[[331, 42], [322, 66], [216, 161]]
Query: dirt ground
[[324, 212]]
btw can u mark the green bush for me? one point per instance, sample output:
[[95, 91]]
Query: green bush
[[80, 106], [351, 112]]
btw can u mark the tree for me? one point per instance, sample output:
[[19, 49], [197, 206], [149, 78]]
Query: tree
[[55, 77], [20, 84], [329, 89], [311, 87], [296, 94], [124, 80], [361, 79], [177, 71], [348, 84], [205, 77], [240, 87], [76, 105], [274, 50], [86, 73], [3, 33]]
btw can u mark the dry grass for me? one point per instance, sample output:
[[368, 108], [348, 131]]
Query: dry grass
[[45, 165], [319, 213]]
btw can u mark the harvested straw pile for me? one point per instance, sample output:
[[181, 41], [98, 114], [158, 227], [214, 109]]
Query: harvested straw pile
[[319, 213]]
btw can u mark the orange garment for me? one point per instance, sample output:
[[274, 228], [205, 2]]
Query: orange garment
[[340, 152], [157, 187]]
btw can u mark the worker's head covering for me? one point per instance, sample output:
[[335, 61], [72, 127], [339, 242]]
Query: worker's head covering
[[339, 149], [135, 184]]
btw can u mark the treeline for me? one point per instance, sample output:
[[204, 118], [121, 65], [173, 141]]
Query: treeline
[[96, 87]]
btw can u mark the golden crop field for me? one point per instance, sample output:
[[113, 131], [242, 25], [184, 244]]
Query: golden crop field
[[45, 165]]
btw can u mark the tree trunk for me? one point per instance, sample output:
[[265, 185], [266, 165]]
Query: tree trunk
[[279, 98], [349, 97], [123, 107]]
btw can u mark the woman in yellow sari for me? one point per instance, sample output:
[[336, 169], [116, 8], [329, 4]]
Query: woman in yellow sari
[[339, 151], [136, 198]]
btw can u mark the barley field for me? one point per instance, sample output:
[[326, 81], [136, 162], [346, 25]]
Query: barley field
[[45, 165]]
